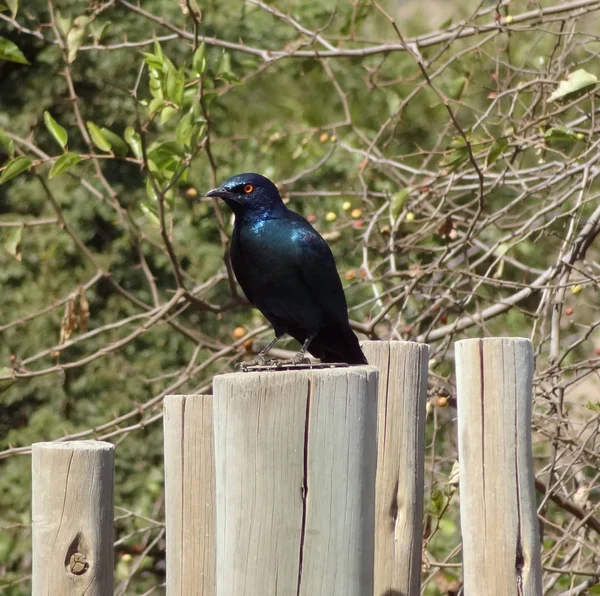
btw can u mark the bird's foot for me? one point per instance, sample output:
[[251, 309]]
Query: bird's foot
[[297, 359], [261, 360]]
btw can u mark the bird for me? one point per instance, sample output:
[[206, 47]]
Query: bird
[[287, 271]]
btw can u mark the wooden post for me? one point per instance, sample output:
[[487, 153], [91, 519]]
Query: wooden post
[[189, 495], [295, 459], [402, 397], [72, 518], [501, 550]]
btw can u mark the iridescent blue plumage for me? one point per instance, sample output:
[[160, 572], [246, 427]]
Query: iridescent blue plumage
[[287, 270]]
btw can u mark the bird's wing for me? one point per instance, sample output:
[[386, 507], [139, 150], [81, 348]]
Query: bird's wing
[[241, 272], [315, 262]]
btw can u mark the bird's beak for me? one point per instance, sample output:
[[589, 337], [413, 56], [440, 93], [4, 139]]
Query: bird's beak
[[221, 193]]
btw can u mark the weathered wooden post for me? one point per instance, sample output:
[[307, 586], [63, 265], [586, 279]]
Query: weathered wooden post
[[295, 455], [501, 550], [189, 495], [400, 464], [72, 518]]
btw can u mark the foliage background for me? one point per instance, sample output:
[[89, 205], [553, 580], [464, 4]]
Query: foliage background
[[459, 195]]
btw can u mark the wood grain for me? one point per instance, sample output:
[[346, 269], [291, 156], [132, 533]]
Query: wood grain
[[295, 469], [189, 495], [72, 518], [501, 549], [402, 397]]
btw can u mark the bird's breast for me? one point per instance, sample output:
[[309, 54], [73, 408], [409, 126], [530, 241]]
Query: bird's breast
[[265, 256], [265, 242]]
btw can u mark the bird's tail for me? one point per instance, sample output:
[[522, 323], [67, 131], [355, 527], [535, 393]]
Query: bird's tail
[[333, 345]]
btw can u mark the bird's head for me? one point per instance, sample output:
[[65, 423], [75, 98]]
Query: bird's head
[[248, 193]]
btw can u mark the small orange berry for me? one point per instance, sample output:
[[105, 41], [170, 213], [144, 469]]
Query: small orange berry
[[238, 333]]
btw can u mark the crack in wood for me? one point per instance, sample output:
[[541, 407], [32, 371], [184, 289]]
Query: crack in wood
[[304, 488]]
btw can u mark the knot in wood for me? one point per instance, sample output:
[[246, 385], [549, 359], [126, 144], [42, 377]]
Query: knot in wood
[[78, 564]]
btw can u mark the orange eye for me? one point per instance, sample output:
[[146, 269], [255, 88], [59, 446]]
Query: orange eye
[[248, 188]]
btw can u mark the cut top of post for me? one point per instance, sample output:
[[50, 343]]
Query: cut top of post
[[292, 373], [85, 445], [493, 340]]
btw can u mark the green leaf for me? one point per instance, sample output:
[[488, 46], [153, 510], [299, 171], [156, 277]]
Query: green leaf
[[97, 137], [170, 196], [64, 23], [496, 150], [158, 50], [155, 84], [199, 60], [355, 17], [56, 130], [7, 143], [98, 30], [457, 154], [117, 144], [224, 72], [560, 134], [197, 132], [134, 141], [437, 501], [9, 51], [12, 242], [167, 113], [577, 83], [63, 163], [156, 104], [150, 214], [184, 130], [153, 61], [6, 377], [75, 36], [210, 97], [175, 84], [14, 7], [14, 168], [398, 200], [151, 194], [192, 6], [165, 153], [455, 87]]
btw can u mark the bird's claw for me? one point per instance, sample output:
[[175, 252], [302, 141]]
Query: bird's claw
[[297, 359], [259, 361]]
